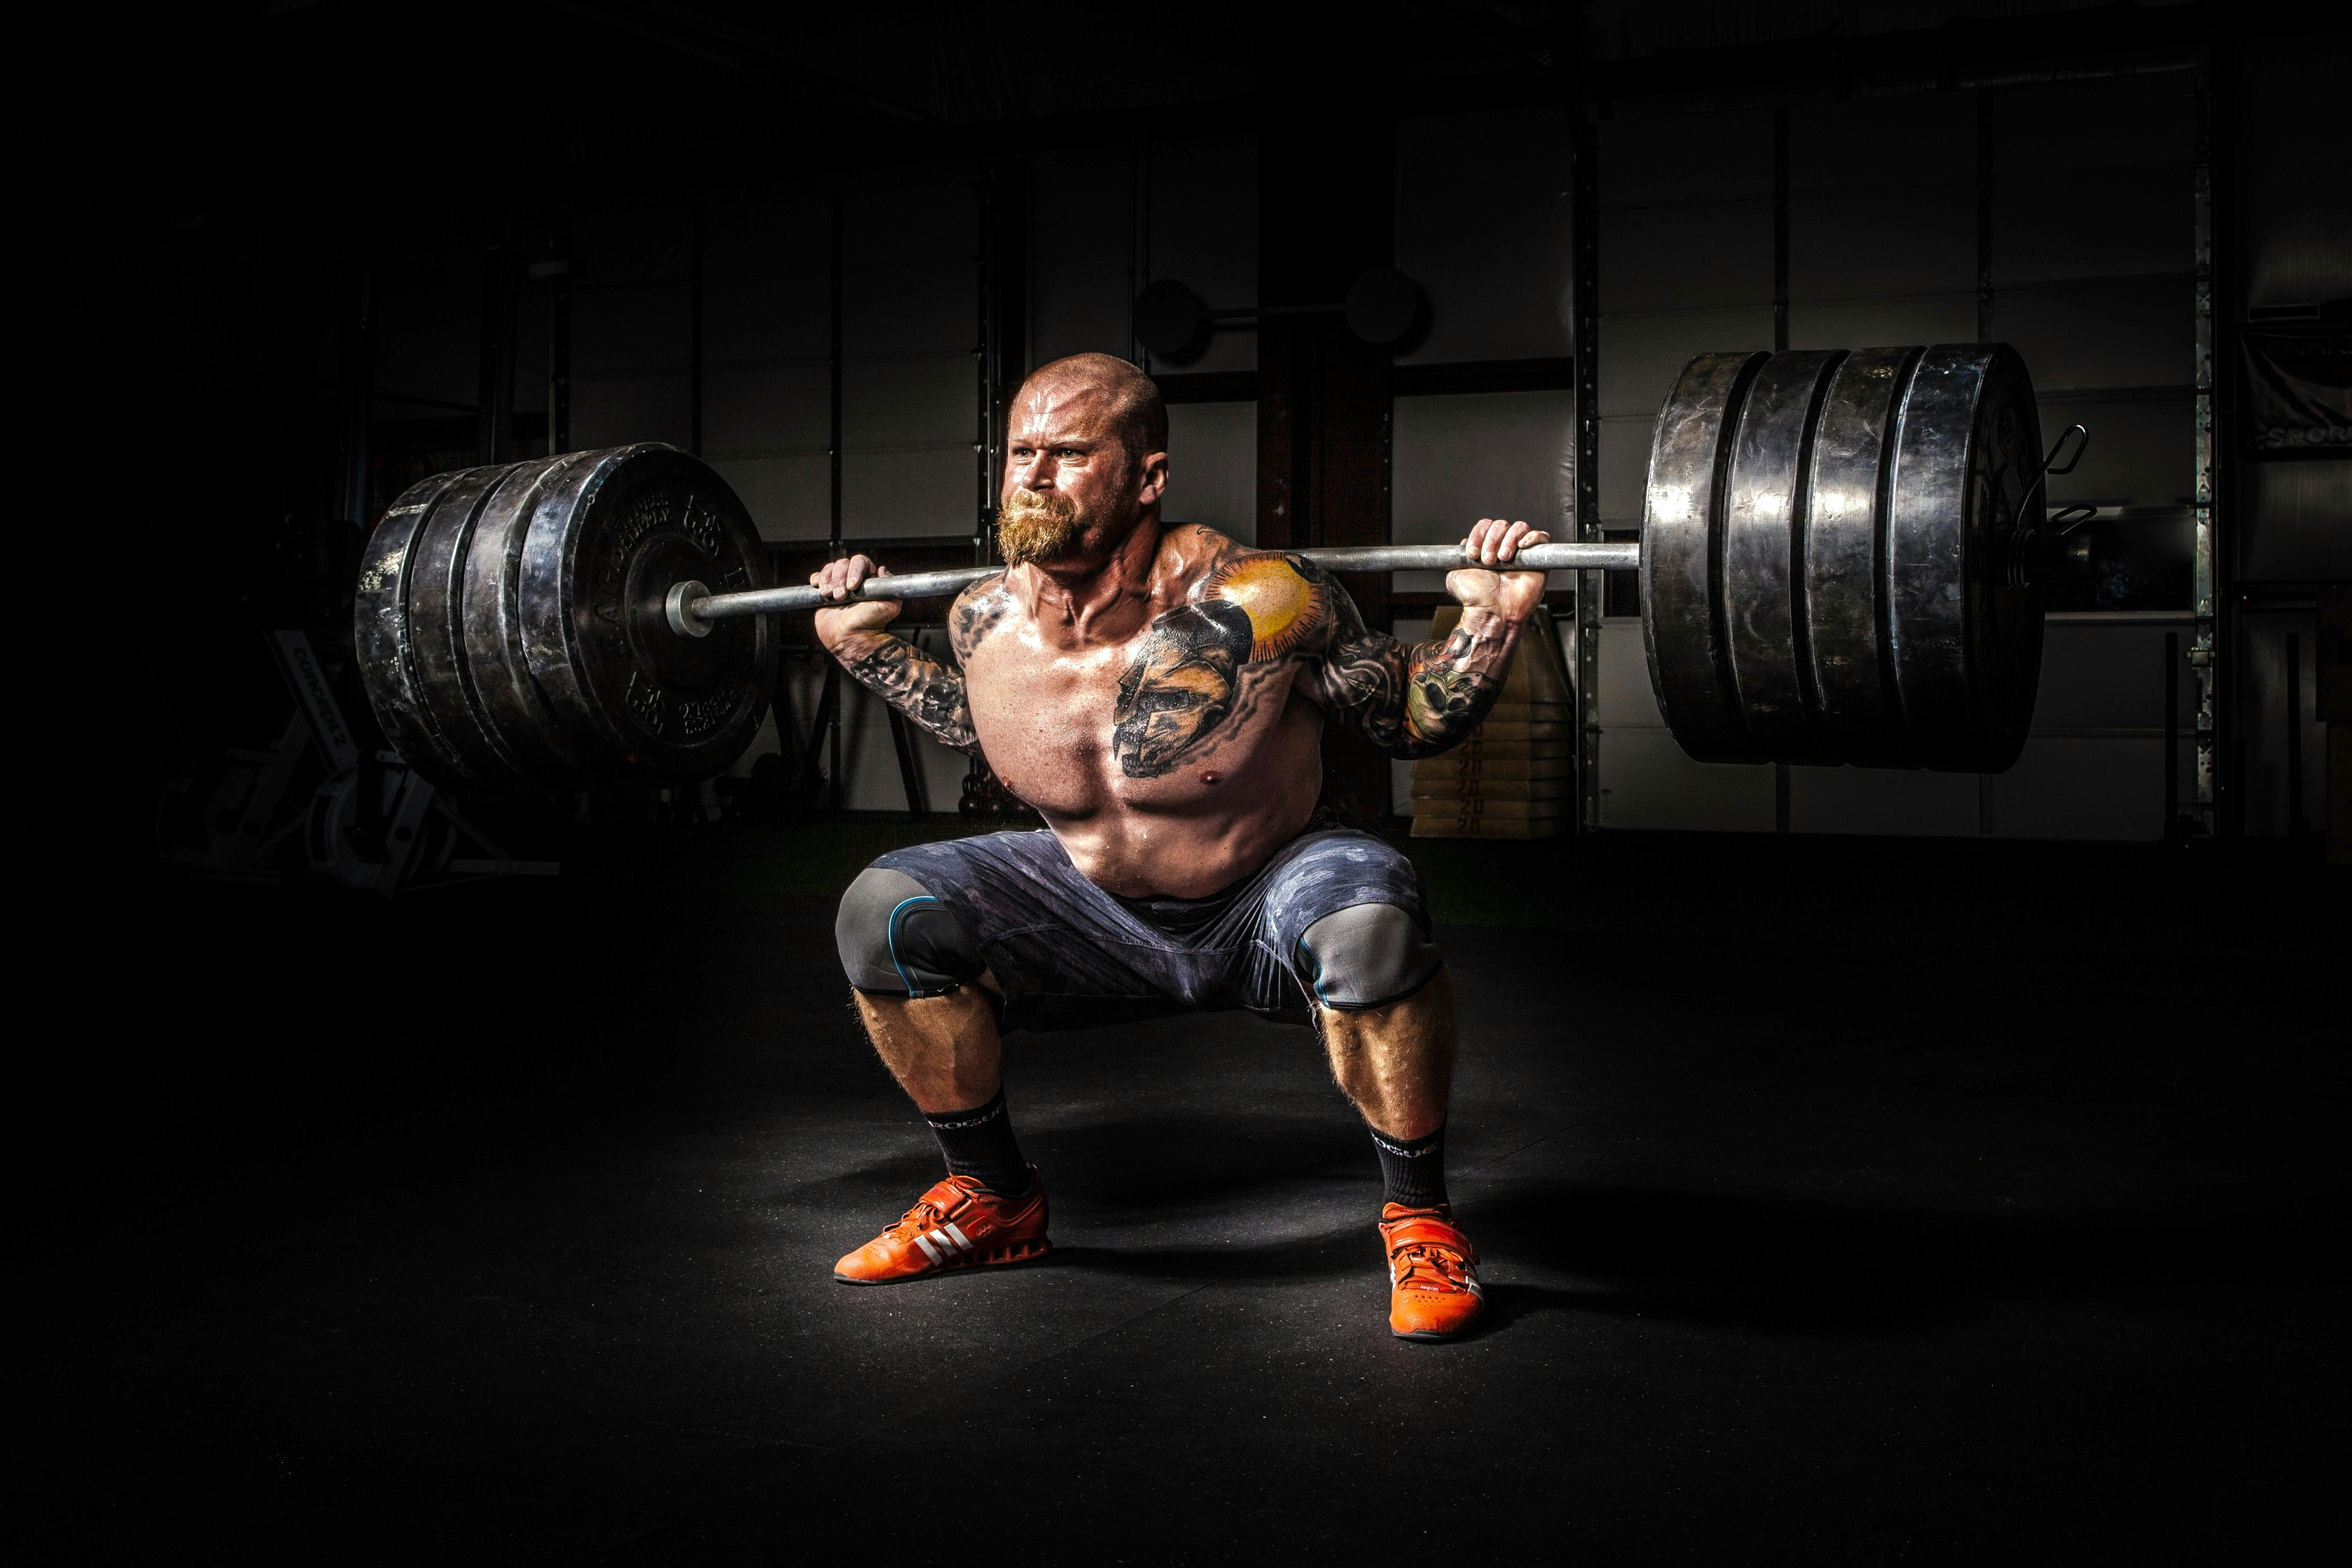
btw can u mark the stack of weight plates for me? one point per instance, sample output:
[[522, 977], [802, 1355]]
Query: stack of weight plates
[[1515, 778], [512, 633], [1835, 566]]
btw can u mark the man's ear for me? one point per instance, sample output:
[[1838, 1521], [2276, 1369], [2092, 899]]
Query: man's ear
[[1155, 480]]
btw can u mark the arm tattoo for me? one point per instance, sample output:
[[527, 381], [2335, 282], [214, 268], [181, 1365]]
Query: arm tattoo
[[912, 682], [919, 686], [1417, 701], [977, 611], [1202, 658]]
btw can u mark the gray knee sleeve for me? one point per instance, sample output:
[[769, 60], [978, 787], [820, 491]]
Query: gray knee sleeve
[[897, 940], [1367, 955]]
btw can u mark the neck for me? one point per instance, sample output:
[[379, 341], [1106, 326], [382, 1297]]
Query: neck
[[1095, 600]]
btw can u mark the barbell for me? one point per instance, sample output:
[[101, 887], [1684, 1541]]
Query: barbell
[[1838, 565]]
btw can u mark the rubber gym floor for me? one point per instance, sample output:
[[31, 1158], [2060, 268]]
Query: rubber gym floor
[[1841, 1201]]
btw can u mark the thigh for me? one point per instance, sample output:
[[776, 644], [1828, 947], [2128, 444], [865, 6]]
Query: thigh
[[1318, 874], [1063, 952]]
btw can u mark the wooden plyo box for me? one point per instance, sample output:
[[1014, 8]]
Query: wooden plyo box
[[1513, 776]]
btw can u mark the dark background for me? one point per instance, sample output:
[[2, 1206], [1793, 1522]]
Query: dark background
[[1957, 1191]]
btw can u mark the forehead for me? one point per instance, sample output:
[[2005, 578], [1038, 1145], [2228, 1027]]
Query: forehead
[[1064, 410]]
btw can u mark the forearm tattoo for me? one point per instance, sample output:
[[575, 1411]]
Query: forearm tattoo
[[1421, 700], [911, 681], [926, 691]]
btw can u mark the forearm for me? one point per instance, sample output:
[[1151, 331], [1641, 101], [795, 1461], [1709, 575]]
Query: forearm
[[917, 685], [1450, 684], [1417, 701]]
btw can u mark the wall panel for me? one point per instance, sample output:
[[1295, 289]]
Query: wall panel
[[2142, 450], [2118, 223], [1875, 143], [789, 497], [898, 307], [1641, 353], [1866, 245], [765, 410], [612, 411], [889, 493], [2076, 787], [1461, 457], [1079, 284], [1203, 233], [1686, 258], [429, 327], [1882, 801], [1212, 467], [631, 328], [1674, 160], [2298, 521], [2117, 333], [1646, 780], [1884, 323], [1483, 225], [932, 401]]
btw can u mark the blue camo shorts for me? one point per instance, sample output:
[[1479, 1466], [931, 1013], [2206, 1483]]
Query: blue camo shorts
[[1068, 955]]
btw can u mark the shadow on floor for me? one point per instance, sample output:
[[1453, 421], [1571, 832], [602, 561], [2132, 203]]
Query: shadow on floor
[[1801, 1267]]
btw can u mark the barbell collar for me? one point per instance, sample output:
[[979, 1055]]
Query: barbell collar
[[691, 608]]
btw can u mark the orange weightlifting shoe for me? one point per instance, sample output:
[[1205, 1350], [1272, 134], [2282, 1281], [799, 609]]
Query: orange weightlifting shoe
[[1432, 1273], [958, 1224]]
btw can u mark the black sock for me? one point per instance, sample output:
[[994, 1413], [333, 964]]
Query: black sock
[[1413, 1172], [979, 1143]]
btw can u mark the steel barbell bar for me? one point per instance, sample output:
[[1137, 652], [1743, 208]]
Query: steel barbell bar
[[692, 607]]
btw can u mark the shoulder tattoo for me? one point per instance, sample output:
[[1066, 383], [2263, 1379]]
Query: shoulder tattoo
[[976, 613], [1182, 683]]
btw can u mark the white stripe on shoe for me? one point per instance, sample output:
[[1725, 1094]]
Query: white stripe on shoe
[[929, 1251], [961, 1239]]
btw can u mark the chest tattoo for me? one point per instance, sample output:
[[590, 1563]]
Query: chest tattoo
[[1181, 685]]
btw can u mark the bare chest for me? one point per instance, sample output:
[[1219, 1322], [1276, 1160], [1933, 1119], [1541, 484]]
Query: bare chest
[[1200, 704]]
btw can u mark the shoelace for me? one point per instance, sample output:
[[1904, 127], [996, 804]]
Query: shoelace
[[925, 1216], [1441, 1265]]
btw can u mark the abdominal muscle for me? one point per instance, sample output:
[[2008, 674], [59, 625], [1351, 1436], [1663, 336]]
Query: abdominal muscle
[[1202, 826]]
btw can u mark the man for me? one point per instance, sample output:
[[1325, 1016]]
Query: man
[[1159, 694]]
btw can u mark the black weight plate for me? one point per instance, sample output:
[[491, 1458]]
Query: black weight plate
[[1966, 644], [1765, 505], [380, 635], [606, 542], [514, 711], [1845, 539], [436, 628], [1683, 624]]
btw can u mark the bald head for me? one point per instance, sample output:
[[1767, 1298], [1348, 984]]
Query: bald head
[[1131, 402]]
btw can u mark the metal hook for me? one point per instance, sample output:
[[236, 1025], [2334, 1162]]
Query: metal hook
[[2049, 463], [2026, 502], [2065, 521]]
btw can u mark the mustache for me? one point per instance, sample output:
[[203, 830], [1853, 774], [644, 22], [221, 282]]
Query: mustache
[[1032, 504]]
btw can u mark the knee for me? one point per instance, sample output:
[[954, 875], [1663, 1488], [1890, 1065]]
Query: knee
[[897, 940], [1367, 955]]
